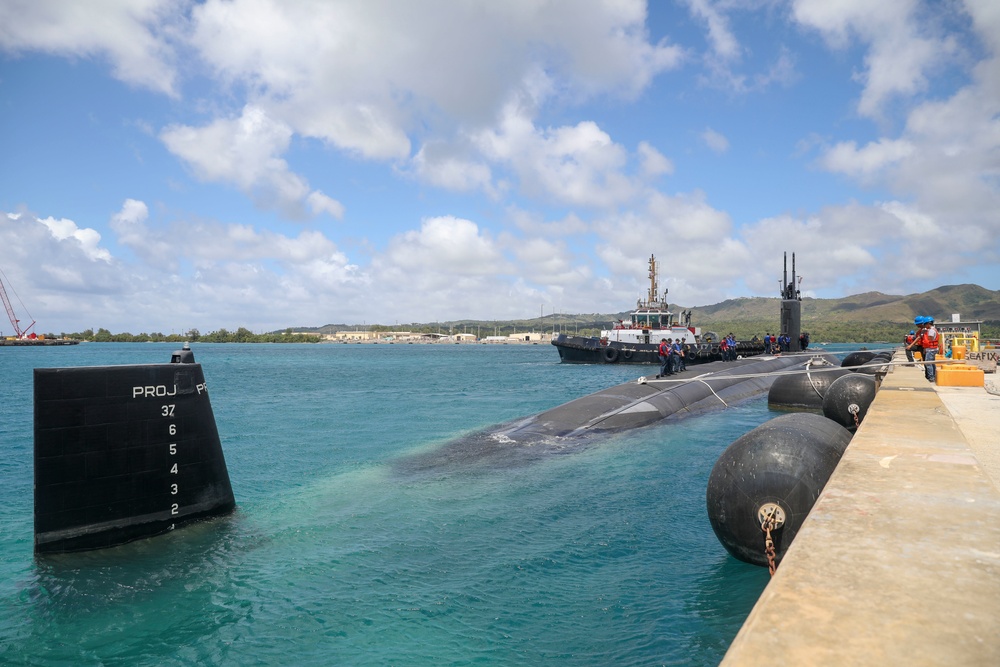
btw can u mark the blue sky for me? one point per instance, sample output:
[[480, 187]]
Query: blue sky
[[170, 165]]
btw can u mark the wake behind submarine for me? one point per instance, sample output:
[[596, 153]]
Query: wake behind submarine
[[124, 452], [626, 406]]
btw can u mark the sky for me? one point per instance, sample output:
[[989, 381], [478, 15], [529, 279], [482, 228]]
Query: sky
[[168, 165]]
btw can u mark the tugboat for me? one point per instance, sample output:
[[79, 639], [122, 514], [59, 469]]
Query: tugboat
[[636, 341]]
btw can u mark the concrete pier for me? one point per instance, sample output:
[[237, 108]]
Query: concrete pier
[[899, 561]]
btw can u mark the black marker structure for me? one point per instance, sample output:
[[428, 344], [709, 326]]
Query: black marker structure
[[124, 452]]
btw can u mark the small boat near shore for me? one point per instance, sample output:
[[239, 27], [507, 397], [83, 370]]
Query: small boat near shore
[[636, 341]]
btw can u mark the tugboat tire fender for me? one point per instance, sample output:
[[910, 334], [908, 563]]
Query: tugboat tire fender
[[627, 354], [610, 354]]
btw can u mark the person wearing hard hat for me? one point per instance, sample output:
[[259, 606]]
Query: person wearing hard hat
[[907, 341], [927, 342]]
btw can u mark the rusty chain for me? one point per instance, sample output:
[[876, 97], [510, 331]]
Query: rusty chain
[[854, 409], [771, 517]]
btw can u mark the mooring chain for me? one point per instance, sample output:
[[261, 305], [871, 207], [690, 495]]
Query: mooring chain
[[854, 409], [771, 517]]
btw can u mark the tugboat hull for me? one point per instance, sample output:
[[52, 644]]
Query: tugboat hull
[[590, 350]]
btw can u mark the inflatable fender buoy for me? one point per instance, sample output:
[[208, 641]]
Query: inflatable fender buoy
[[804, 391], [783, 465], [848, 399], [857, 358]]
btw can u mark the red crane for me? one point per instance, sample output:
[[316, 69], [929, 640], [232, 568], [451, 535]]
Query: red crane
[[18, 331]]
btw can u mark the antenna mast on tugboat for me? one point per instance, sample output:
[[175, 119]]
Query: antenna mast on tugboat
[[653, 298]]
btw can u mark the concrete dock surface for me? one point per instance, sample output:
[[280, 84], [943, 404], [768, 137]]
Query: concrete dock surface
[[898, 562]]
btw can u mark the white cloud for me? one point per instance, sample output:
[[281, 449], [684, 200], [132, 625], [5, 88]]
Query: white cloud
[[446, 245], [244, 151], [914, 224], [134, 36], [724, 44], [901, 51], [447, 166], [847, 158], [653, 163], [361, 75], [577, 165], [89, 239], [715, 141], [942, 167]]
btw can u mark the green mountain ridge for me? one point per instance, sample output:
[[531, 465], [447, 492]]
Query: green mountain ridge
[[880, 316]]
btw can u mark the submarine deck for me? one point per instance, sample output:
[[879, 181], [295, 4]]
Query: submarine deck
[[898, 562]]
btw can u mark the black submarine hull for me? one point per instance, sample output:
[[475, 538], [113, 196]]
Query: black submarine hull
[[122, 453], [630, 405]]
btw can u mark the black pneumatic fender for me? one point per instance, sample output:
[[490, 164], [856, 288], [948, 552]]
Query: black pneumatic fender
[[805, 390], [857, 358], [848, 399], [781, 465], [610, 354]]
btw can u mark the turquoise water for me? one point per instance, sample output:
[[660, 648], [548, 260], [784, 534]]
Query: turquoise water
[[338, 555]]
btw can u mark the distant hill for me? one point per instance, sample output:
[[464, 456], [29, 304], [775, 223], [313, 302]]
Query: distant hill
[[860, 317], [972, 302]]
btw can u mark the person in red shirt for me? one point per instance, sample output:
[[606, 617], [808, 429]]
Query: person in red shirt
[[664, 352]]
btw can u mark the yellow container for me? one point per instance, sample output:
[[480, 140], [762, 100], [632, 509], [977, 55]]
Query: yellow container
[[918, 355], [958, 352], [960, 375]]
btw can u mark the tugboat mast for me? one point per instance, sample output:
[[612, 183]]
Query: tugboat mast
[[653, 300]]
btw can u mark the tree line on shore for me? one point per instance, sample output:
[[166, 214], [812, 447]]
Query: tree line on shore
[[828, 331], [241, 335]]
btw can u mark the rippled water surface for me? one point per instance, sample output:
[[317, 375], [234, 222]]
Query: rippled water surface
[[337, 555]]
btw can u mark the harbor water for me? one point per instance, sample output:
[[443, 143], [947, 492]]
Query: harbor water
[[341, 554]]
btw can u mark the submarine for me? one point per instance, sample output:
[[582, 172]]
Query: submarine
[[635, 404], [703, 387], [123, 453]]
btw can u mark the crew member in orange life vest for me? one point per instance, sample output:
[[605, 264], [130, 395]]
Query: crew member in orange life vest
[[927, 339], [907, 341], [664, 352]]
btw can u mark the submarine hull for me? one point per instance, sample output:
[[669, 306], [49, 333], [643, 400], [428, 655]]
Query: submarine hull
[[122, 453], [626, 406]]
